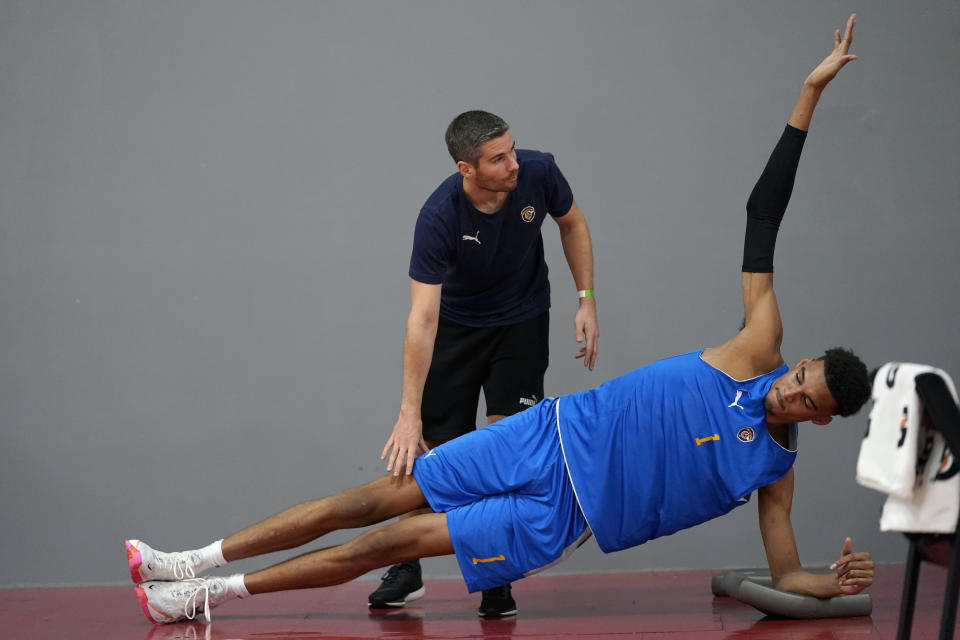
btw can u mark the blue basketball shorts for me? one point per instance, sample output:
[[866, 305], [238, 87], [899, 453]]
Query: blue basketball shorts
[[511, 510]]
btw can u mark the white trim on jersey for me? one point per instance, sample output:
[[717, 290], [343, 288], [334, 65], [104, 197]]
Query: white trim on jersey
[[570, 477]]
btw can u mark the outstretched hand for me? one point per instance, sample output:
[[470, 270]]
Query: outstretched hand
[[854, 570], [831, 65]]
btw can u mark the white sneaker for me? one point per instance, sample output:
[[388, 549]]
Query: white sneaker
[[148, 564], [171, 601]]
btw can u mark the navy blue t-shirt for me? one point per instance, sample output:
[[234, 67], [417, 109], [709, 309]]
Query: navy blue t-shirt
[[491, 265]]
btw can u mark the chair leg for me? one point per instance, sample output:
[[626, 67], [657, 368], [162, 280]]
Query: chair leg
[[910, 578], [949, 618]]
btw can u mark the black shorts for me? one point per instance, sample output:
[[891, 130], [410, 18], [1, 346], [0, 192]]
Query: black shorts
[[507, 362]]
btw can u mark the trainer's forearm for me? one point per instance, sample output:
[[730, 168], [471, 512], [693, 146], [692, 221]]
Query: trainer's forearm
[[417, 355], [578, 249]]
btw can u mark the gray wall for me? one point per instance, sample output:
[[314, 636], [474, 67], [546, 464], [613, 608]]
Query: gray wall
[[206, 211]]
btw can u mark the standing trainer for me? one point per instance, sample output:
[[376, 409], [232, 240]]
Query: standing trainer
[[479, 306]]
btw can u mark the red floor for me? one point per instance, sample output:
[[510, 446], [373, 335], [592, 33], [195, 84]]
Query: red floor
[[640, 606]]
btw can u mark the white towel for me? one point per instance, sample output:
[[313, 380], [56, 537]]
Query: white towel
[[888, 453], [935, 505], [905, 457]]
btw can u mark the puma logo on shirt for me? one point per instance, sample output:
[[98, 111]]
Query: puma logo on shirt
[[736, 400]]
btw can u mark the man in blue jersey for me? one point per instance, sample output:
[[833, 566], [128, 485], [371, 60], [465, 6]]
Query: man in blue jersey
[[668, 446], [479, 306]]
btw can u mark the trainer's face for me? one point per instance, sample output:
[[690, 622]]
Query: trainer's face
[[496, 168], [800, 394]]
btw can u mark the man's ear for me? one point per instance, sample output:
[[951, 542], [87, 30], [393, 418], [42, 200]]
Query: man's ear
[[822, 421], [465, 168]]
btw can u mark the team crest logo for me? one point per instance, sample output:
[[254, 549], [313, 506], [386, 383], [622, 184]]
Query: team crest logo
[[528, 214], [745, 434]]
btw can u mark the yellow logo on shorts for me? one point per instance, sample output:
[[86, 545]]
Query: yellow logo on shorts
[[700, 441], [493, 559]]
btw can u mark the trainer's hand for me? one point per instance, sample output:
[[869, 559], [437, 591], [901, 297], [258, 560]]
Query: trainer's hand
[[831, 65], [404, 444], [854, 570], [585, 325]]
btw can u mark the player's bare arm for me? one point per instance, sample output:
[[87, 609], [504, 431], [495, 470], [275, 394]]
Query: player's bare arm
[[853, 572]]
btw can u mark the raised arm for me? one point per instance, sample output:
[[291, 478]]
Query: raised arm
[[757, 346], [769, 198]]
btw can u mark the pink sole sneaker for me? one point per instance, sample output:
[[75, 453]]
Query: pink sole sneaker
[[148, 610], [134, 560], [164, 601]]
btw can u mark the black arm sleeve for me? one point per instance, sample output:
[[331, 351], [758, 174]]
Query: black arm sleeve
[[768, 201]]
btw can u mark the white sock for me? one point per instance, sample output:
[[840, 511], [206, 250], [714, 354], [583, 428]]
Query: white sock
[[206, 557], [212, 554], [236, 586]]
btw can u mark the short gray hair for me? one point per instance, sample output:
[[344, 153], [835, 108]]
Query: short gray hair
[[471, 129]]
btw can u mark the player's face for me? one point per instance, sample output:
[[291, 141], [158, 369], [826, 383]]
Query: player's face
[[497, 167], [800, 394]]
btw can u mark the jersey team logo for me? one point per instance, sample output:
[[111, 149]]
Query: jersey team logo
[[745, 434], [527, 214]]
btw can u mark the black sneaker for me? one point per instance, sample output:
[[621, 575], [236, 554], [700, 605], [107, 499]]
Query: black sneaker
[[497, 603], [398, 586]]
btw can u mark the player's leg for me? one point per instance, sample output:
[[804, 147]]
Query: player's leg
[[374, 502], [420, 536], [368, 504]]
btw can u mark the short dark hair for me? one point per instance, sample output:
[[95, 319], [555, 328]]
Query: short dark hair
[[847, 379], [471, 129]]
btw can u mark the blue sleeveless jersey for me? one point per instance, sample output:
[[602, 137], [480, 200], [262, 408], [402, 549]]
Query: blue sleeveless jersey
[[666, 447]]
